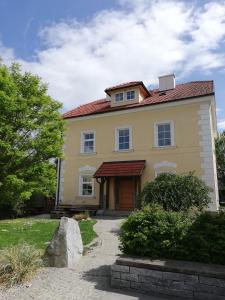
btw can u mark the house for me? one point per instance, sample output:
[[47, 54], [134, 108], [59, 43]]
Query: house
[[113, 146]]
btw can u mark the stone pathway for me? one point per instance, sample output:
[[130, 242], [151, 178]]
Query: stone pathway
[[90, 280]]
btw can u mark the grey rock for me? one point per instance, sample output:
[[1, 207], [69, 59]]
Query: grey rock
[[66, 247]]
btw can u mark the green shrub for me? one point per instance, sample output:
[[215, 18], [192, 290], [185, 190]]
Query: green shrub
[[176, 192], [156, 233], [18, 263]]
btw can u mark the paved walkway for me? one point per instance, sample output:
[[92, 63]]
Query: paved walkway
[[90, 280]]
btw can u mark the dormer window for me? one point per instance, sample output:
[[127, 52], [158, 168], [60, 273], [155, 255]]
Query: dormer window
[[119, 97], [130, 95]]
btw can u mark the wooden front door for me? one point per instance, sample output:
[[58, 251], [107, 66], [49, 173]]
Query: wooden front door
[[126, 193]]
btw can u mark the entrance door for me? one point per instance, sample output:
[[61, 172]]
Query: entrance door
[[126, 193]]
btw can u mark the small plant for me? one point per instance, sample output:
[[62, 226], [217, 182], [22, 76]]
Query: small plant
[[176, 192], [18, 263]]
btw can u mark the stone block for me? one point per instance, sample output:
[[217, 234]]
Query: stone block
[[180, 277], [118, 283], [212, 281], [154, 280], [211, 289], [120, 268], [130, 277], [115, 274], [146, 272], [180, 285], [206, 296]]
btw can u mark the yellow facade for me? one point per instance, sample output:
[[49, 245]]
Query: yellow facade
[[186, 154]]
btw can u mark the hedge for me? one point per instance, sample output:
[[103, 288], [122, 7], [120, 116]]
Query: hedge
[[156, 233]]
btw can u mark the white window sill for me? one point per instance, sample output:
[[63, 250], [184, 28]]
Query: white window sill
[[129, 150], [88, 153], [164, 147]]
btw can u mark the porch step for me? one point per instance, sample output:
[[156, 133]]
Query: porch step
[[113, 213], [70, 210]]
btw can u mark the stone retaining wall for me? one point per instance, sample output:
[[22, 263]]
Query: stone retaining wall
[[171, 278]]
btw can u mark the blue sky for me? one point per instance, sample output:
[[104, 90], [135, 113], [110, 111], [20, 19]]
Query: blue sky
[[82, 47]]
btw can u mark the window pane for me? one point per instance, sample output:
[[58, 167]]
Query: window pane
[[119, 97], [164, 134], [88, 142], [124, 139], [87, 187], [88, 146], [130, 95]]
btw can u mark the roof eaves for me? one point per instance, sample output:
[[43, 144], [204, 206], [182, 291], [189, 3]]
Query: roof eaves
[[138, 106]]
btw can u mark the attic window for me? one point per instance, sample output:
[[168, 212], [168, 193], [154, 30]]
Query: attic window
[[119, 97], [130, 95], [162, 93]]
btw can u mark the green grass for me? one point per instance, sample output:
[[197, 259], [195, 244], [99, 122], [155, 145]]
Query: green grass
[[87, 231], [37, 232], [33, 231]]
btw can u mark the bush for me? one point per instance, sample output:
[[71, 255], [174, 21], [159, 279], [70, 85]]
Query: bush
[[156, 233], [18, 263], [176, 192], [153, 232]]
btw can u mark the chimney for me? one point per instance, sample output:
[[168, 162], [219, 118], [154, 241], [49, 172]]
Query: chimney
[[167, 82]]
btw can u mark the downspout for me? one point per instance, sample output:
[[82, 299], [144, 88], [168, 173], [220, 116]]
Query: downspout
[[58, 182]]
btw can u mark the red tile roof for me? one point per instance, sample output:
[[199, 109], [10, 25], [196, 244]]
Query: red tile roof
[[121, 168], [181, 92]]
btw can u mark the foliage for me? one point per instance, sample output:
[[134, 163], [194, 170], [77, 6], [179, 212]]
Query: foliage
[[37, 232], [153, 231], [156, 233], [30, 137], [176, 192], [87, 231], [18, 263], [220, 157]]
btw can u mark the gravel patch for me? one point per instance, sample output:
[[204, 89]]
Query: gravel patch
[[90, 279]]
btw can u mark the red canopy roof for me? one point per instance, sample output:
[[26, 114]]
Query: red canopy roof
[[120, 168]]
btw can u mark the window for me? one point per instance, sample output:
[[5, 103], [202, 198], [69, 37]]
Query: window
[[119, 97], [86, 186], [123, 138], [130, 95], [88, 142], [164, 134]]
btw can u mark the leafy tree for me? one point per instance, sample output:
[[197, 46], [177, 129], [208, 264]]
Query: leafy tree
[[30, 137], [220, 157], [176, 192]]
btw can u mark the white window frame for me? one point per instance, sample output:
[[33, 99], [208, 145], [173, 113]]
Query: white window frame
[[131, 98], [81, 186], [117, 129], [82, 140], [118, 101], [156, 143]]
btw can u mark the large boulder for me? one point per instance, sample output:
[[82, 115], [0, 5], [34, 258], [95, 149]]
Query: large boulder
[[66, 247]]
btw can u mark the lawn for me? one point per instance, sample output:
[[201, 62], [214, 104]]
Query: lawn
[[37, 231]]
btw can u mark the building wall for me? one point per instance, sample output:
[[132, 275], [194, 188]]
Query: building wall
[[188, 154]]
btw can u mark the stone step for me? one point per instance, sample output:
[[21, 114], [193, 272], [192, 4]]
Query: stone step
[[113, 213]]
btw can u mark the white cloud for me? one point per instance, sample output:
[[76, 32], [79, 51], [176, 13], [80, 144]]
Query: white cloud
[[140, 41]]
